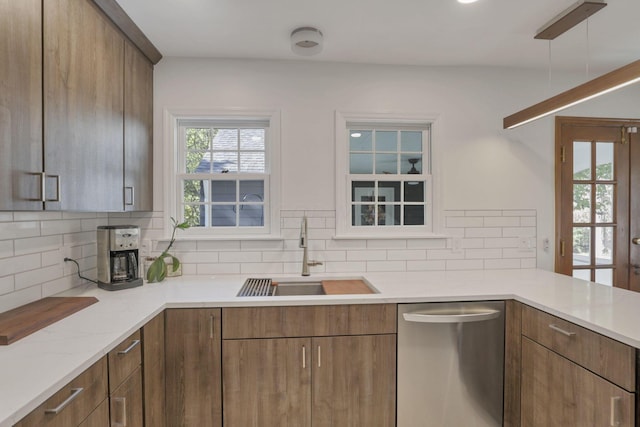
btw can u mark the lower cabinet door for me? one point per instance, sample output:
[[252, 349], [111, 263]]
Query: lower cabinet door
[[559, 393], [354, 381], [99, 417], [267, 382], [126, 402]]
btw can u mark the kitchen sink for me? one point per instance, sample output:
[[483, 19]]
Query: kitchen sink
[[297, 287]]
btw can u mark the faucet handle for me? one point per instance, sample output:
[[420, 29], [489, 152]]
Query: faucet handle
[[313, 263]]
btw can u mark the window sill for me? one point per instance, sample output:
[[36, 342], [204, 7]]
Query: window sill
[[389, 237], [253, 237]]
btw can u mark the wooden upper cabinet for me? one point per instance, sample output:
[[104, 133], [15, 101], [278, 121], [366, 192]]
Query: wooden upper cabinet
[[20, 104], [83, 107], [138, 130]]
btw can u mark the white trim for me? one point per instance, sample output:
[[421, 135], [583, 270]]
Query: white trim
[[344, 230], [171, 118]]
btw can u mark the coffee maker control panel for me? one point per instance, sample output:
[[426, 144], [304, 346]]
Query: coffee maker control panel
[[125, 239]]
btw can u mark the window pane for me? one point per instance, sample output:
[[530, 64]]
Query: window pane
[[582, 274], [581, 245], [411, 141], [387, 164], [223, 216], [252, 139], [604, 245], [389, 214], [225, 139], [581, 203], [411, 164], [251, 216], [414, 215], [225, 162], [387, 141], [252, 191], [604, 276], [414, 191], [360, 140], [252, 162], [363, 215], [362, 191], [197, 162], [361, 163], [604, 203], [581, 161], [198, 139], [388, 191], [194, 215], [223, 191], [604, 161], [193, 190]]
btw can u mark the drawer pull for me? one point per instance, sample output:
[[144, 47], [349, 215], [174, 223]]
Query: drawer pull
[[615, 411], [562, 331], [133, 345], [122, 412], [304, 357], [75, 392]]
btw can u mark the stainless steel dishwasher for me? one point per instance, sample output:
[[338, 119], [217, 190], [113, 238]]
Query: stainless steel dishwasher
[[450, 364]]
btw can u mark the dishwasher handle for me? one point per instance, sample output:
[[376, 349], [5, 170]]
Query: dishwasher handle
[[451, 316]]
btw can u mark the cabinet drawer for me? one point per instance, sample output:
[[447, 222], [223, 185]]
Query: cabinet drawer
[[74, 402], [606, 357], [124, 359], [305, 321], [99, 417]]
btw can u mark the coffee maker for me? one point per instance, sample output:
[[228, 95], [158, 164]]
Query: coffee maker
[[118, 265]]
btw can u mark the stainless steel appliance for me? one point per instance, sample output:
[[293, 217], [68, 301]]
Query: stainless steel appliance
[[450, 364], [118, 265]]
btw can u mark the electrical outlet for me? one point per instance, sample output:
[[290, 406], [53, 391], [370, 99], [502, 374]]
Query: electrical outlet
[[524, 244], [546, 244], [456, 245], [64, 252], [145, 247]]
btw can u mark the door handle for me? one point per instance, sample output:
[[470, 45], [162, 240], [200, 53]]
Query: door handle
[[636, 240]]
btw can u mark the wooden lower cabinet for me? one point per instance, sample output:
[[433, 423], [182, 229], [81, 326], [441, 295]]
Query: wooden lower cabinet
[[558, 392], [302, 382], [266, 382], [126, 402], [193, 367], [153, 371], [99, 417]]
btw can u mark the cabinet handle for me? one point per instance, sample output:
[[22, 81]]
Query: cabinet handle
[[132, 198], [58, 186], [122, 402], [43, 184], [304, 357], [615, 411], [75, 392], [133, 345], [319, 357], [211, 327], [562, 331]]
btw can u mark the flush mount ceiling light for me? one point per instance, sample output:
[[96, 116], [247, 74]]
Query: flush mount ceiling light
[[306, 41], [467, 1], [569, 18]]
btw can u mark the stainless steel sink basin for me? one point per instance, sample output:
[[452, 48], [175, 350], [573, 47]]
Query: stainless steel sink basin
[[294, 286], [299, 288]]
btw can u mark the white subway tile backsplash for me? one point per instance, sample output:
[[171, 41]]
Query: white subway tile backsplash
[[427, 243], [483, 232], [36, 244], [405, 255], [6, 216], [262, 245], [501, 264], [468, 264], [218, 245], [6, 285], [373, 255], [346, 244], [468, 221], [18, 230], [60, 227], [483, 213], [19, 264], [242, 257], [528, 262], [59, 285], [261, 268], [377, 266], [528, 221], [501, 242], [21, 297], [426, 265], [502, 221], [444, 254], [346, 267], [36, 277], [387, 244], [6, 248], [209, 269], [482, 253], [37, 216], [519, 232], [527, 212]]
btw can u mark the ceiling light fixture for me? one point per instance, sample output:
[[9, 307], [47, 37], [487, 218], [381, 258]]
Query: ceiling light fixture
[[569, 18], [467, 1], [306, 41], [616, 79]]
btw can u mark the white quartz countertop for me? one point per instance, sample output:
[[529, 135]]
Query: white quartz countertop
[[33, 368]]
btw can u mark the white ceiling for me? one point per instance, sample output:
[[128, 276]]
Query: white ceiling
[[408, 32]]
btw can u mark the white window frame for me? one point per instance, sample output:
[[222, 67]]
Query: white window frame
[[173, 155], [344, 228]]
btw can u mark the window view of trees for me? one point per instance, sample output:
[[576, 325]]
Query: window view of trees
[[198, 142]]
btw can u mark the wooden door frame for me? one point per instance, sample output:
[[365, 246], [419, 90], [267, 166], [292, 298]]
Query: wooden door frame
[[622, 243]]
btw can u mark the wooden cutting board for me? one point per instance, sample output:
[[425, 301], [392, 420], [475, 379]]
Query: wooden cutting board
[[342, 287], [27, 319]]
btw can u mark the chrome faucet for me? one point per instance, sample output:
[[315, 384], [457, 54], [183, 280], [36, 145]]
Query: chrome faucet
[[303, 244]]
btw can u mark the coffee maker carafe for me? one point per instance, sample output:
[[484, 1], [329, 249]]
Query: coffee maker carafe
[[118, 265]]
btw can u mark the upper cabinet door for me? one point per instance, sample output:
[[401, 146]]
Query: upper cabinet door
[[138, 131], [83, 108], [20, 104]]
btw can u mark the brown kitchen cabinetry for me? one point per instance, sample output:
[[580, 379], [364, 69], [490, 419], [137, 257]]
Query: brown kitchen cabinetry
[[309, 366], [566, 375], [153, 371], [76, 117], [82, 402], [193, 367], [125, 383]]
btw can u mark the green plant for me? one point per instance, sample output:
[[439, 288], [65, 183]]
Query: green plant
[[157, 271]]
